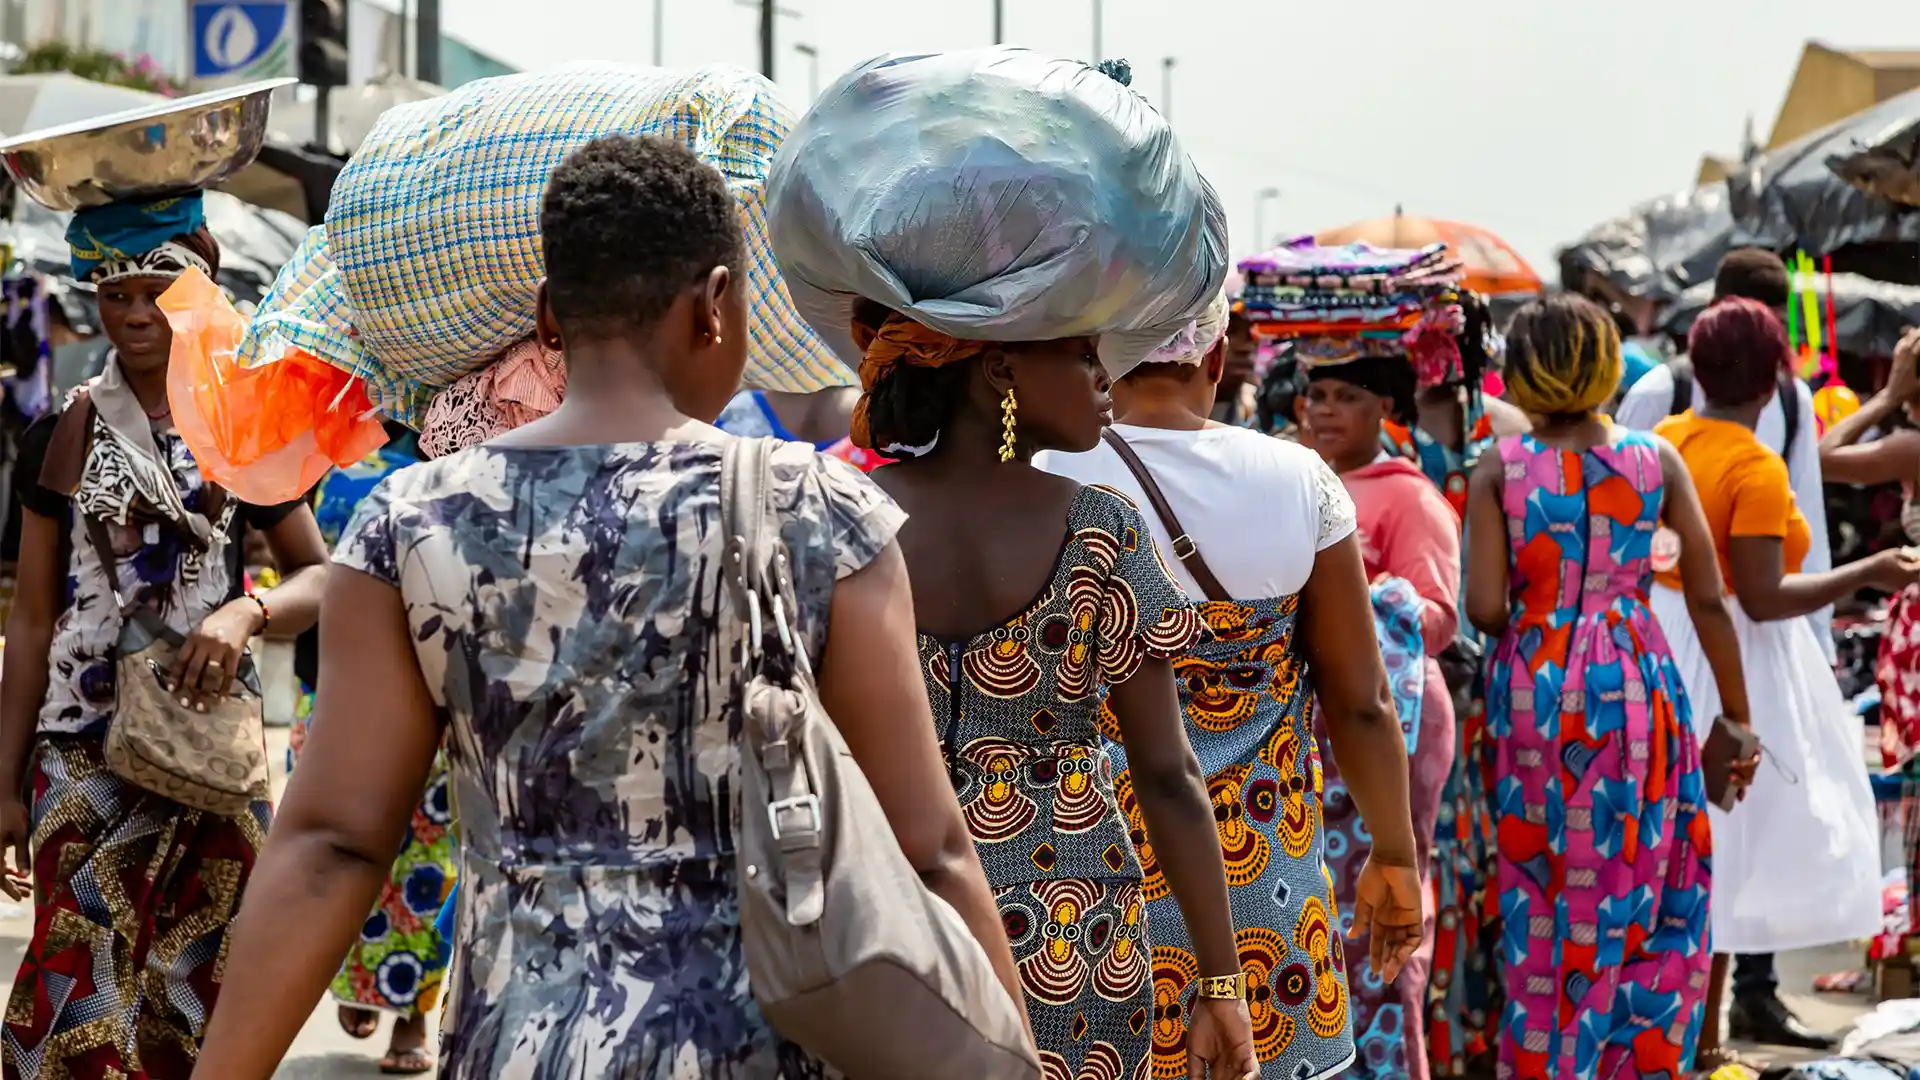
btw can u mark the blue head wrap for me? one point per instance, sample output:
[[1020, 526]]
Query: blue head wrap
[[129, 239]]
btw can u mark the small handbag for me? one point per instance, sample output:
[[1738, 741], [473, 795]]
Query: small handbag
[[850, 955], [214, 761]]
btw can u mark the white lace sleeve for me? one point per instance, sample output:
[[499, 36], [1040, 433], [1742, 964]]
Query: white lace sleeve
[[1335, 506]]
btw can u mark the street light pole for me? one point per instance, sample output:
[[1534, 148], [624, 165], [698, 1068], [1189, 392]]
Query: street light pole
[[1260, 200], [999, 22], [659, 33], [813, 69], [1099, 16], [1166, 88], [769, 11], [426, 42]]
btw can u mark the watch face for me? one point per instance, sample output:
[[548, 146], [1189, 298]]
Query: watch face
[[1666, 550]]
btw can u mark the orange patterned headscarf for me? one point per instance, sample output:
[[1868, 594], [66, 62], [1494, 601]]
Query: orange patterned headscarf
[[896, 341]]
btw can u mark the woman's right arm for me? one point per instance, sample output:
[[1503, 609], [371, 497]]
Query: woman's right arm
[[24, 674], [1700, 583], [870, 683]]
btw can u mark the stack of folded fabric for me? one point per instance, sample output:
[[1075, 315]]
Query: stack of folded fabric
[[1336, 304]]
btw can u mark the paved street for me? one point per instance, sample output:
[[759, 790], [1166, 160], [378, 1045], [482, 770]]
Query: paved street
[[324, 1052]]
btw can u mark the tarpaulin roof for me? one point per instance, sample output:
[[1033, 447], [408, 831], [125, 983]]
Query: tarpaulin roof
[[1869, 316], [1791, 198]]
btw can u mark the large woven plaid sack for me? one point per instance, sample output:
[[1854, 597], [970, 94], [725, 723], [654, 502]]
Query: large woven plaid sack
[[430, 258], [996, 195]]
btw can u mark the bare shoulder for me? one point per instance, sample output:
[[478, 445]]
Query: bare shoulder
[[1506, 418]]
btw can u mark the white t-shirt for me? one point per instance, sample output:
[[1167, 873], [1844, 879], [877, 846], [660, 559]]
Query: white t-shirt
[[1258, 508], [1647, 403]]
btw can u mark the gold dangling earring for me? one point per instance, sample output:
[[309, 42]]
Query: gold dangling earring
[[1007, 407]]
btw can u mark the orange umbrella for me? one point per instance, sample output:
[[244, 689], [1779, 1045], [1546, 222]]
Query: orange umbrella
[[1493, 267]]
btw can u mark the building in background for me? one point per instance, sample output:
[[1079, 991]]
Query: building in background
[[1828, 86], [379, 44]]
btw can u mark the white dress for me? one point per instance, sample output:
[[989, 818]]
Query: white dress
[[1797, 864]]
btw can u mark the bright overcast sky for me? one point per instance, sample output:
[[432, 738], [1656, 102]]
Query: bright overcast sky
[[1534, 119]]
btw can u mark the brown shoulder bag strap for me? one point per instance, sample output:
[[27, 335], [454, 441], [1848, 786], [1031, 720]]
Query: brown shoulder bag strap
[[1184, 548]]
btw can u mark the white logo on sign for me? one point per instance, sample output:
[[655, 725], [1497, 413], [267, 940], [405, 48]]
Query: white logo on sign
[[231, 37]]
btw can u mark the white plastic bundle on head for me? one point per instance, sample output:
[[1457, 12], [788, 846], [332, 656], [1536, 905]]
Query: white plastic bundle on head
[[430, 258], [999, 195]]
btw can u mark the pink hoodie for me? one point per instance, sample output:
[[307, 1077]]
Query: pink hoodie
[[1408, 531]]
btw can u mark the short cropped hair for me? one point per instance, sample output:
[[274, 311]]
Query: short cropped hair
[[1753, 273], [628, 223]]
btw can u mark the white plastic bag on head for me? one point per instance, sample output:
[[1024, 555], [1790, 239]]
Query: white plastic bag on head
[[998, 195]]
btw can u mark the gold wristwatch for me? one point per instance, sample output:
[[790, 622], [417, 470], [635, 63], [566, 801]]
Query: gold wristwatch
[[1224, 987]]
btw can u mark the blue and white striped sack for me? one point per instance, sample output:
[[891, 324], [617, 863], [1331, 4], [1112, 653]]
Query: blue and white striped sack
[[430, 259]]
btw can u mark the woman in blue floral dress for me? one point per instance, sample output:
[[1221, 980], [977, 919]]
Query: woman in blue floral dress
[[551, 601]]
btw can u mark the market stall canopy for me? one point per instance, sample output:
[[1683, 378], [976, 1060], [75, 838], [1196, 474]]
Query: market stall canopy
[[1885, 161], [1792, 198], [1657, 250], [1868, 316], [1493, 267]]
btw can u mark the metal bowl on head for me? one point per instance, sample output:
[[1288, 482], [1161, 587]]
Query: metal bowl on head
[[166, 149]]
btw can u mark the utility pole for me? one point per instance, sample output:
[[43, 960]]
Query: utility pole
[[1000, 23], [1099, 17], [659, 33], [769, 11], [1166, 88], [426, 42]]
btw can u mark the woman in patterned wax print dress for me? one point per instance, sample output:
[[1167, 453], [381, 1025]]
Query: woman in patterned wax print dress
[[551, 600], [1277, 531], [1410, 544], [1599, 798], [134, 894], [1036, 600]]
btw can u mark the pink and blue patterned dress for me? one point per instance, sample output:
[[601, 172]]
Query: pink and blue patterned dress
[[1603, 847]]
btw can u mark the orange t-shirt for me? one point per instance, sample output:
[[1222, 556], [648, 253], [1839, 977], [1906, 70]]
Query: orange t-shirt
[[1743, 488]]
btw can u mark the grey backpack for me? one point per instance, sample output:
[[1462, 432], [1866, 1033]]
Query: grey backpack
[[849, 954]]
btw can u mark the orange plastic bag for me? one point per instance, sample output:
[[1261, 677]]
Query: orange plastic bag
[[269, 433]]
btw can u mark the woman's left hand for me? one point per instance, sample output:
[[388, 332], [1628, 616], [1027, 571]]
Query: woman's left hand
[[211, 657]]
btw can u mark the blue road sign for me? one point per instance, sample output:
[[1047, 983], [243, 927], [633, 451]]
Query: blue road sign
[[242, 38]]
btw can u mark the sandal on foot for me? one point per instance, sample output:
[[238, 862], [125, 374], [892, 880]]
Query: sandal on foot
[[1725, 1063], [414, 1062], [359, 1023]]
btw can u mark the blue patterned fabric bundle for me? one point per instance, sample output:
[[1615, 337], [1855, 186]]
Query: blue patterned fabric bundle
[[428, 264]]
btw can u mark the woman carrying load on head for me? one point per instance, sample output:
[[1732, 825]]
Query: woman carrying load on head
[[134, 893], [988, 318], [1279, 561], [596, 752]]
